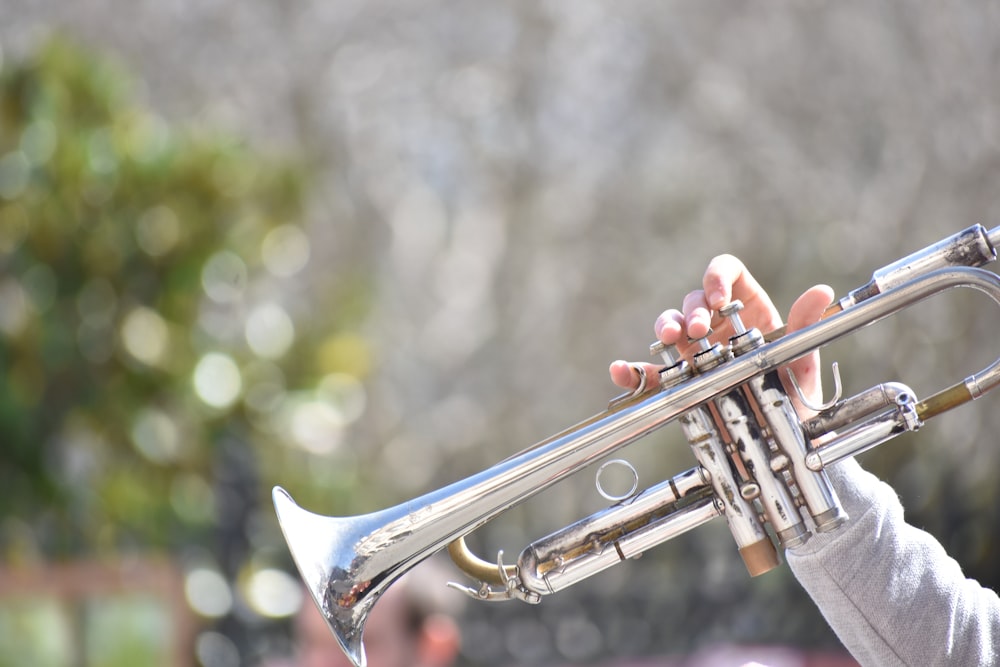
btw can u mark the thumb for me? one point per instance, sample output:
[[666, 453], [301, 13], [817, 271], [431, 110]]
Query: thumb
[[807, 310]]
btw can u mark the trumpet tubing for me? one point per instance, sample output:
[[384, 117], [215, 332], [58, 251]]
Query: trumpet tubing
[[758, 464]]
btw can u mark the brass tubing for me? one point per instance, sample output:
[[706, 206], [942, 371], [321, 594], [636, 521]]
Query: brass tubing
[[476, 567], [944, 400]]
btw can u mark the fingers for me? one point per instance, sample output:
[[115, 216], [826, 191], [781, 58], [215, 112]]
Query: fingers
[[721, 276], [623, 375], [697, 315], [726, 279], [725, 275], [670, 327]]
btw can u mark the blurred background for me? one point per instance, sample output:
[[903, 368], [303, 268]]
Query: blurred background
[[364, 249]]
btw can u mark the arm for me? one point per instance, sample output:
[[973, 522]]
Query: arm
[[889, 590]]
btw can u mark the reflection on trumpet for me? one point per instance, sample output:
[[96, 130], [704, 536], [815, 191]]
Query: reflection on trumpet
[[757, 464]]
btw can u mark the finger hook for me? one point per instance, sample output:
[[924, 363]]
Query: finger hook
[[838, 390]]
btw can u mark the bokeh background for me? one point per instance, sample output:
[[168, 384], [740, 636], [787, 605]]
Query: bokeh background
[[363, 249]]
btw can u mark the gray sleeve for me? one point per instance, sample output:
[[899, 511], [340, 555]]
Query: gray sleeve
[[889, 590]]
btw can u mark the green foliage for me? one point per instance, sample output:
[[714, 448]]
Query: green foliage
[[132, 254]]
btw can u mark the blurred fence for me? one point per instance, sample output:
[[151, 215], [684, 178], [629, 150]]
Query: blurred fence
[[92, 613]]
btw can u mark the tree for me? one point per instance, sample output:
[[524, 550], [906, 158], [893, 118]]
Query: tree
[[146, 290]]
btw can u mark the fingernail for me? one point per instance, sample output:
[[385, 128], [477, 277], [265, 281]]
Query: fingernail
[[716, 299]]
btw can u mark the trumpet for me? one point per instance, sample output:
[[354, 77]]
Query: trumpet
[[758, 464]]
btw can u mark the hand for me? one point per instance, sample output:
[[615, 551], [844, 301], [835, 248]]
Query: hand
[[726, 279]]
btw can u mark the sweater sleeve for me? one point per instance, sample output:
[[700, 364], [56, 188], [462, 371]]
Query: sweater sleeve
[[889, 590]]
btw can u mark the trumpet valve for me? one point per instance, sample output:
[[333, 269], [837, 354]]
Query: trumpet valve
[[666, 352], [731, 311], [675, 369], [743, 340], [711, 354]]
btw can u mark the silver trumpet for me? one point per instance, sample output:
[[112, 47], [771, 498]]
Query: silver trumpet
[[758, 464]]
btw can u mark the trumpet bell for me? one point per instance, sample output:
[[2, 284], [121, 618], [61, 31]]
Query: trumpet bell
[[322, 548]]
